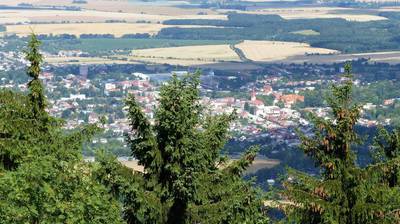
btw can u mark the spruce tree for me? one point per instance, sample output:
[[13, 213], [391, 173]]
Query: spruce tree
[[185, 179], [36, 93], [343, 192]]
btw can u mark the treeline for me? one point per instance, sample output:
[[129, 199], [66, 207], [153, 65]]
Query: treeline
[[374, 93], [91, 36], [339, 34], [234, 20]]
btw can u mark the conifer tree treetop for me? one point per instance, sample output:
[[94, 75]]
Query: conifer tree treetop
[[344, 192], [181, 152], [35, 59]]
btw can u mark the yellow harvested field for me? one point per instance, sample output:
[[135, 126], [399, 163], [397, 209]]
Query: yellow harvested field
[[16, 2], [257, 165], [181, 62], [139, 7], [133, 165], [187, 55], [314, 13], [167, 8], [57, 16], [277, 50], [389, 9], [117, 29]]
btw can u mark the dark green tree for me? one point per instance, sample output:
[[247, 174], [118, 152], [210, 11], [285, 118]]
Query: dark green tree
[[36, 93], [185, 179], [386, 172], [344, 192], [386, 154], [43, 178]]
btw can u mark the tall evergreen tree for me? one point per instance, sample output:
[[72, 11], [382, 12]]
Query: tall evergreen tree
[[344, 192], [185, 176], [43, 178], [36, 93]]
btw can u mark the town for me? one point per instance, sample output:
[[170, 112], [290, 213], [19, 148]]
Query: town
[[269, 106]]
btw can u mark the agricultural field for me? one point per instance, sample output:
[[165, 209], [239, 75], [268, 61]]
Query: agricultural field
[[391, 57], [390, 9], [110, 46], [163, 7], [257, 165], [187, 55], [314, 13], [267, 51], [116, 29], [213, 42], [13, 16]]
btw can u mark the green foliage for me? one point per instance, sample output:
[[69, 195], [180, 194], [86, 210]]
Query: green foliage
[[268, 100], [387, 150], [312, 98], [376, 92], [140, 205], [185, 179], [43, 178], [35, 86], [345, 192], [50, 191]]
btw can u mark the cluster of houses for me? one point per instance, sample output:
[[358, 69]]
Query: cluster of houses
[[260, 117], [87, 101], [11, 60]]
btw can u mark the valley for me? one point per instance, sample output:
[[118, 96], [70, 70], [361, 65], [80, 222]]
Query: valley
[[270, 61]]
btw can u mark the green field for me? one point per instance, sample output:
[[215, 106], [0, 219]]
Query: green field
[[109, 45]]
